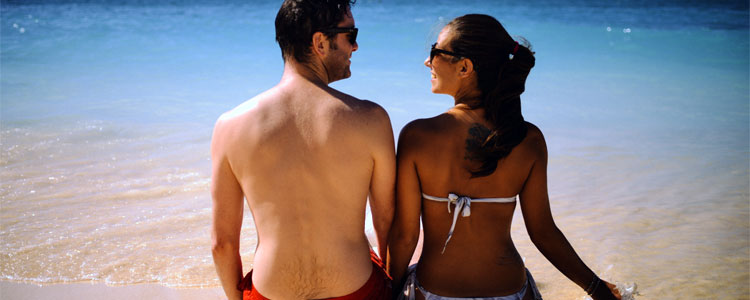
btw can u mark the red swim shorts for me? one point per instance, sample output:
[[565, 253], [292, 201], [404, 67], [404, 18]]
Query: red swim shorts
[[376, 288]]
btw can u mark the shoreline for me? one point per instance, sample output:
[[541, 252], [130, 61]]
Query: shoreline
[[10, 290]]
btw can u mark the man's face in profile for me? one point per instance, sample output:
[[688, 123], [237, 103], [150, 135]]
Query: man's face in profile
[[341, 50]]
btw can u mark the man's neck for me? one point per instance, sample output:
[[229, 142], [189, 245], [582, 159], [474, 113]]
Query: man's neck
[[308, 71]]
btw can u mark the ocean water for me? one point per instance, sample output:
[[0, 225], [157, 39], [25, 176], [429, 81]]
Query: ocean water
[[107, 107]]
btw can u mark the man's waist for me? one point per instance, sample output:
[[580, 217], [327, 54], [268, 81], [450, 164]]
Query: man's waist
[[323, 250], [331, 271]]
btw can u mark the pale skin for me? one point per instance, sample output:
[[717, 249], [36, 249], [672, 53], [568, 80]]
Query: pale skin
[[480, 260], [306, 158]]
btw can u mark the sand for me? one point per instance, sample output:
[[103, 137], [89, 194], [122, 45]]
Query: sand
[[76, 291]]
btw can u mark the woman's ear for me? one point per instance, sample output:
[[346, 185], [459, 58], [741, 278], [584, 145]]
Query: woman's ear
[[466, 67], [319, 44]]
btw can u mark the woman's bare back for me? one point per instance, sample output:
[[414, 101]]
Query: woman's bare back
[[480, 260]]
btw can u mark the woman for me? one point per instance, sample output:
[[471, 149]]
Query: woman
[[475, 158]]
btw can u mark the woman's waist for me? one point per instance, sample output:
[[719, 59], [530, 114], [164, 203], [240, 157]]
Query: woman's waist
[[471, 261], [482, 265], [471, 278], [485, 241]]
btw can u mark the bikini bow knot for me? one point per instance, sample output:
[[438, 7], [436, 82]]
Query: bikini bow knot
[[463, 206], [453, 197]]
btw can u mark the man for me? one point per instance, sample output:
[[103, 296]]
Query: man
[[305, 157]]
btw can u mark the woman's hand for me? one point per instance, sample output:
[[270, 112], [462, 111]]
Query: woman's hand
[[611, 292]]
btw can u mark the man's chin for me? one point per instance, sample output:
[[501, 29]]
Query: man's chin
[[345, 75]]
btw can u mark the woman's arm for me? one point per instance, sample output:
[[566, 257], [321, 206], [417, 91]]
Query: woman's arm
[[405, 230], [541, 226]]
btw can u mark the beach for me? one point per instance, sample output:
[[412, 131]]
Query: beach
[[107, 110], [11, 290]]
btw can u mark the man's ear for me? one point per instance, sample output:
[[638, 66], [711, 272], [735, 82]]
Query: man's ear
[[320, 44], [466, 67]]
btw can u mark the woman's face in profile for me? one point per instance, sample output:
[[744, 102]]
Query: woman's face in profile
[[444, 75]]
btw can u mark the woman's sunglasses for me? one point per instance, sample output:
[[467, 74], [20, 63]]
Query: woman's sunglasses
[[352, 31], [434, 51]]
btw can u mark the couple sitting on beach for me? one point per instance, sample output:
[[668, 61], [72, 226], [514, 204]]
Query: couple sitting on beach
[[306, 157]]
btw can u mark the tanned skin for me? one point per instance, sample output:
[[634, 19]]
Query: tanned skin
[[306, 158], [435, 158]]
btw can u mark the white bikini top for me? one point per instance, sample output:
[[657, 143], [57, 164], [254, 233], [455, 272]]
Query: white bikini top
[[463, 204]]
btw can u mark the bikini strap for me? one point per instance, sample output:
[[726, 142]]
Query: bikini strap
[[463, 207]]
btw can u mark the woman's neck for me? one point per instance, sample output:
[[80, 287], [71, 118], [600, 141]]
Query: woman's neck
[[468, 113], [468, 102], [470, 97]]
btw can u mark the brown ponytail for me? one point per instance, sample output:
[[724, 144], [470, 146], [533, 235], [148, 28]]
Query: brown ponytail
[[502, 66]]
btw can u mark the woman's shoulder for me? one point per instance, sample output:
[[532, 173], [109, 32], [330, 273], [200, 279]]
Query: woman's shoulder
[[421, 132], [428, 126], [534, 141], [532, 131]]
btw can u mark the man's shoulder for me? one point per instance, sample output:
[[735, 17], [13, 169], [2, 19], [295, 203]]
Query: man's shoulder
[[372, 109], [359, 110], [357, 105], [247, 117], [372, 119], [249, 107]]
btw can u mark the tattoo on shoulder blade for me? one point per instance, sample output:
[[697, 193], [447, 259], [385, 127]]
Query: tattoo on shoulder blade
[[477, 136]]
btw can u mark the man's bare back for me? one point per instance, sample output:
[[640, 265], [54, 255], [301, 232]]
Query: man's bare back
[[305, 157]]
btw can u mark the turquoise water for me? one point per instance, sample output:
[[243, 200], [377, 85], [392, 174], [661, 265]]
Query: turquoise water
[[106, 111]]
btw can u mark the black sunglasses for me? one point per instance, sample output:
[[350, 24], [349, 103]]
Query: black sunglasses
[[434, 51], [352, 31]]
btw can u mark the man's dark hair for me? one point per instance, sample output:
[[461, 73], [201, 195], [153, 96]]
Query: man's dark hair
[[297, 20]]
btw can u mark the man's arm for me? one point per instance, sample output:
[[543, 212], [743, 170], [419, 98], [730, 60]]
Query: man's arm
[[405, 231], [383, 180], [227, 216]]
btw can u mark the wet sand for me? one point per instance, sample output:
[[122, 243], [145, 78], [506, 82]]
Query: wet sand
[[75, 291]]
